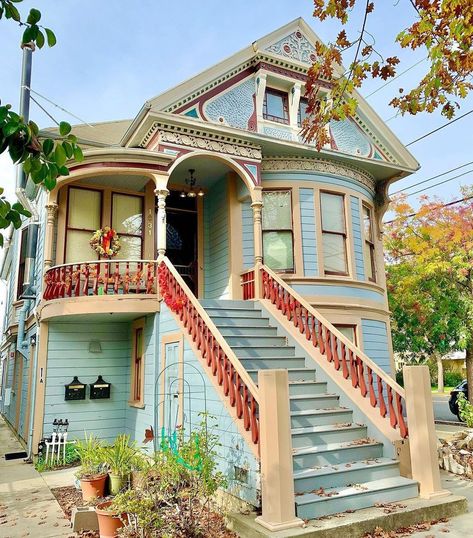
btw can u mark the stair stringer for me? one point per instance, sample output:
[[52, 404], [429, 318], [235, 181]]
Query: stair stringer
[[351, 398]]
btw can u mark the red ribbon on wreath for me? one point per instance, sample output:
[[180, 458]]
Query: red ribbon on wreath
[[107, 239]]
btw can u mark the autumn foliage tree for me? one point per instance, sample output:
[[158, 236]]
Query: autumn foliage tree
[[442, 28], [430, 278]]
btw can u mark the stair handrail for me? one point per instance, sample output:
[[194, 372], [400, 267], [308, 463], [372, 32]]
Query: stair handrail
[[238, 386], [357, 366]]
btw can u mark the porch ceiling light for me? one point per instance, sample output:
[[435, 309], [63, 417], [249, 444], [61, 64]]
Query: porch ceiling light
[[191, 181]]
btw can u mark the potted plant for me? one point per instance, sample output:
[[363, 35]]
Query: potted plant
[[109, 519], [120, 458], [91, 475]]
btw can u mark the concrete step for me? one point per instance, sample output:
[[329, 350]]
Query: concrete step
[[228, 303], [253, 341], [339, 499], [239, 321], [263, 363], [298, 388], [336, 453], [309, 402], [294, 374], [264, 351], [246, 331], [321, 417], [233, 312], [327, 434], [333, 476]]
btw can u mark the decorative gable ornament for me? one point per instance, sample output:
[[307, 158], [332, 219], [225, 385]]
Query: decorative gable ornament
[[295, 46]]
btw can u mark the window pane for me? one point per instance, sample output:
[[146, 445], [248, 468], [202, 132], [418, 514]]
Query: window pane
[[277, 213], [127, 216], [84, 209], [78, 248], [333, 214], [367, 223], [275, 105], [369, 261], [130, 248], [277, 250], [347, 331], [302, 111], [334, 253]]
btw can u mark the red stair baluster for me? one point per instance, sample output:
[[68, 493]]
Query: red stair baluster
[[232, 386], [220, 361], [361, 377], [116, 279], [97, 277], [336, 357], [353, 373], [328, 344], [226, 381], [392, 412], [400, 413], [382, 405], [239, 403], [254, 421], [126, 280], [371, 387], [343, 353], [246, 409]]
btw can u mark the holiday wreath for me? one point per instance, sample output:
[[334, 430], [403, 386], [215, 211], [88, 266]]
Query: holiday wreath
[[105, 242]]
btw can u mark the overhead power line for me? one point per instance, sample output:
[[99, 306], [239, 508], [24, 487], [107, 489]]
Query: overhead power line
[[396, 77], [431, 178], [440, 183], [438, 207], [439, 128], [44, 110]]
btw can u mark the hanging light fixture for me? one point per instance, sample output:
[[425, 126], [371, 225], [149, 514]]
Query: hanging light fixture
[[191, 181]]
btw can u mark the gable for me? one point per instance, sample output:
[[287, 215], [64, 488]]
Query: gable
[[295, 46]]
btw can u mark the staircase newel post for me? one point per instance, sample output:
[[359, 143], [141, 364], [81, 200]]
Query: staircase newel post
[[277, 481], [258, 281], [422, 437]]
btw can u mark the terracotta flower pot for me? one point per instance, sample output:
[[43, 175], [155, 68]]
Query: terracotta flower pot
[[109, 522], [117, 483], [93, 487]]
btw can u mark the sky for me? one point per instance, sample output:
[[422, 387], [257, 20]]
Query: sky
[[111, 56]]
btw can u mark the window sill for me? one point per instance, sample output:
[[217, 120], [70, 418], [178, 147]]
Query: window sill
[[137, 405], [276, 122]]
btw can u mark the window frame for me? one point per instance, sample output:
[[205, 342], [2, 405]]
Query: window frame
[[137, 386], [299, 112], [291, 270], [141, 236], [343, 234], [353, 326], [369, 241], [21, 266], [67, 227], [285, 97]]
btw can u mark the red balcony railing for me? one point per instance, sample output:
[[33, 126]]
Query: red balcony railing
[[104, 277]]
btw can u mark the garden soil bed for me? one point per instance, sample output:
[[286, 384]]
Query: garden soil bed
[[69, 497]]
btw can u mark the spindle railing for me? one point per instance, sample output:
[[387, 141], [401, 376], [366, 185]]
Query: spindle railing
[[347, 359], [221, 362], [101, 277]]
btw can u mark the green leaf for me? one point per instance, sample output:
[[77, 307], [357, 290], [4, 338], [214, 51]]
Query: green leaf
[[72, 138], [50, 183], [10, 129], [63, 171], [1, 240], [34, 128], [78, 155], [3, 113], [68, 149], [60, 155], [50, 37], [40, 39], [27, 166], [34, 16], [48, 146], [64, 128], [14, 13], [18, 207], [30, 34]]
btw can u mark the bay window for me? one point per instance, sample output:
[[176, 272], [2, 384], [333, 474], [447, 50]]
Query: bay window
[[370, 264], [278, 241], [127, 221], [334, 235]]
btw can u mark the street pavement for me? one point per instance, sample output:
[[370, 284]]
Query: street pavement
[[441, 409]]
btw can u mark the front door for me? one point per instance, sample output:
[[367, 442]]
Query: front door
[[181, 236]]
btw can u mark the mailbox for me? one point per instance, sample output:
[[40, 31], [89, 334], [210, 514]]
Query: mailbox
[[75, 390], [100, 389]]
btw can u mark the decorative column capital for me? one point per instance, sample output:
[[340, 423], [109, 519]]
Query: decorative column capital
[[52, 209], [161, 194]]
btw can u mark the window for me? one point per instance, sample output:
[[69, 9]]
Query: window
[[22, 262], [278, 251], [370, 264], [127, 220], [301, 112], [334, 233], [349, 331], [84, 210], [275, 106], [137, 366]]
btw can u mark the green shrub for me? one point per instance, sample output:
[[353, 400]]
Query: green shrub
[[465, 409], [71, 457], [400, 377], [452, 379]]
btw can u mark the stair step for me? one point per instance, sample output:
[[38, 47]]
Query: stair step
[[298, 388], [263, 363], [239, 321], [233, 312], [246, 331], [295, 374], [308, 402], [264, 351], [327, 434], [253, 341], [227, 303], [340, 499], [320, 417], [342, 475], [335, 453]]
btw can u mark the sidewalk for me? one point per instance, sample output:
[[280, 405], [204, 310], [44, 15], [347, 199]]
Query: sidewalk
[[27, 506]]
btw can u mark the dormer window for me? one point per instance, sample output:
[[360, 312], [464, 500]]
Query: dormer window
[[275, 106]]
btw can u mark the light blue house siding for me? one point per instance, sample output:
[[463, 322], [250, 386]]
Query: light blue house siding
[[216, 247], [69, 356], [248, 244], [10, 410], [357, 238], [24, 395], [309, 241], [200, 396], [375, 343]]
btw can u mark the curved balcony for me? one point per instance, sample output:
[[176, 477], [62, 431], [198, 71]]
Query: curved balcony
[[103, 286]]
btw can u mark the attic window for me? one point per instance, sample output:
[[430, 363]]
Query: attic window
[[275, 106]]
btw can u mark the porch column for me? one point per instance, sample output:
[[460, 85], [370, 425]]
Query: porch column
[[51, 209], [161, 224], [257, 207]]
